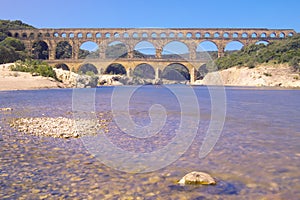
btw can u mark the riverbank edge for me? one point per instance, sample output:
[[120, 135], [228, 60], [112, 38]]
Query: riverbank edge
[[256, 78]]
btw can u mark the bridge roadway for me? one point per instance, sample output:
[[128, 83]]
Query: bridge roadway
[[130, 64]]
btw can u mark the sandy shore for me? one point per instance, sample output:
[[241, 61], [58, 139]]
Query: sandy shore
[[10, 80], [281, 76]]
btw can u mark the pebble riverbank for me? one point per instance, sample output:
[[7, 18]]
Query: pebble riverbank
[[61, 127]]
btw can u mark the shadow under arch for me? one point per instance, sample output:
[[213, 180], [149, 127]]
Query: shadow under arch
[[40, 50], [88, 67], [63, 50], [144, 71], [115, 68], [62, 66], [176, 72]]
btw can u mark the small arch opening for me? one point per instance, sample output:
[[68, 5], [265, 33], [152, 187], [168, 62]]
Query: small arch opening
[[263, 35], [107, 35], [172, 35], [79, 35], [245, 35], [189, 35], [153, 35], [198, 35], [254, 35], [216, 35], [89, 35], [116, 35], [180, 35], [226, 35], [126, 35], [98, 35], [235, 35], [135, 35], [207, 35]]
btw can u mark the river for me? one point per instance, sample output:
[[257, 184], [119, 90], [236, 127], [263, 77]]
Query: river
[[256, 154]]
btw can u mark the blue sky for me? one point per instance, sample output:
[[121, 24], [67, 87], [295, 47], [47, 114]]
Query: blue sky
[[154, 13]]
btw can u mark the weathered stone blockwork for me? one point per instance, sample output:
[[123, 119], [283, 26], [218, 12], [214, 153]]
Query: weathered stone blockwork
[[159, 37]]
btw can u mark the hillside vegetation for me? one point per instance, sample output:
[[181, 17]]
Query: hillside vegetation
[[11, 49], [277, 52]]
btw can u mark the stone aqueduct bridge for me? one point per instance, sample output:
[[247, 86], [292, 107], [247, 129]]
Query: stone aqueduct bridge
[[130, 37]]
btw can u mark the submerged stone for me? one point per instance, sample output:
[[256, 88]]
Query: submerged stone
[[200, 178]]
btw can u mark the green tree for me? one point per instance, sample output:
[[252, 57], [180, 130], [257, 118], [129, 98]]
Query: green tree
[[115, 68], [116, 51], [40, 50], [34, 67], [11, 50], [63, 50]]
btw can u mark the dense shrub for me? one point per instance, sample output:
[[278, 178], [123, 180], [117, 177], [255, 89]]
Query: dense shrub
[[34, 67], [283, 51]]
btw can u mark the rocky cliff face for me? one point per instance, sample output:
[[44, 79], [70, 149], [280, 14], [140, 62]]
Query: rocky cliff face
[[68, 78], [264, 75], [85, 81], [71, 79]]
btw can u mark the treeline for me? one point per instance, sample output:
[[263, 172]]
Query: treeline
[[282, 51], [11, 49]]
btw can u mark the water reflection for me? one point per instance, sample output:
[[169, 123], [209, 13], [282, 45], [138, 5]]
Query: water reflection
[[257, 155]]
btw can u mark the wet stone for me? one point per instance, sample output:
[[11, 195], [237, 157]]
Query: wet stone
[[201, 178]]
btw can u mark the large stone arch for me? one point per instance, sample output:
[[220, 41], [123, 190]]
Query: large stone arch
[[144, 70], [62, 66], [171, 50], [116, 49], [262, 41], [207, 50], [63, 50], [115, 68], [146, 48], [233, 45], [176, 72], [88, 68], [40, 50], [88, 49]]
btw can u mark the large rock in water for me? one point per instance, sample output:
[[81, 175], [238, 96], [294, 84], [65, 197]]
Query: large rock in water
[[85, 81], [200, 178]]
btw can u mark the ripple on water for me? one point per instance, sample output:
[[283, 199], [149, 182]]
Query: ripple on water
[[253, 159]]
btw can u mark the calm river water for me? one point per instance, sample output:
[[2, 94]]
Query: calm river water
[[257, 155]]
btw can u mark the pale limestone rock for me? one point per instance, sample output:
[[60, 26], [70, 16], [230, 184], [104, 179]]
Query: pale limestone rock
[[195, 177]]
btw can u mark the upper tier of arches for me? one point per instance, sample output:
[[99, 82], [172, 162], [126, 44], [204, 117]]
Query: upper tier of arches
[[151, 33]]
